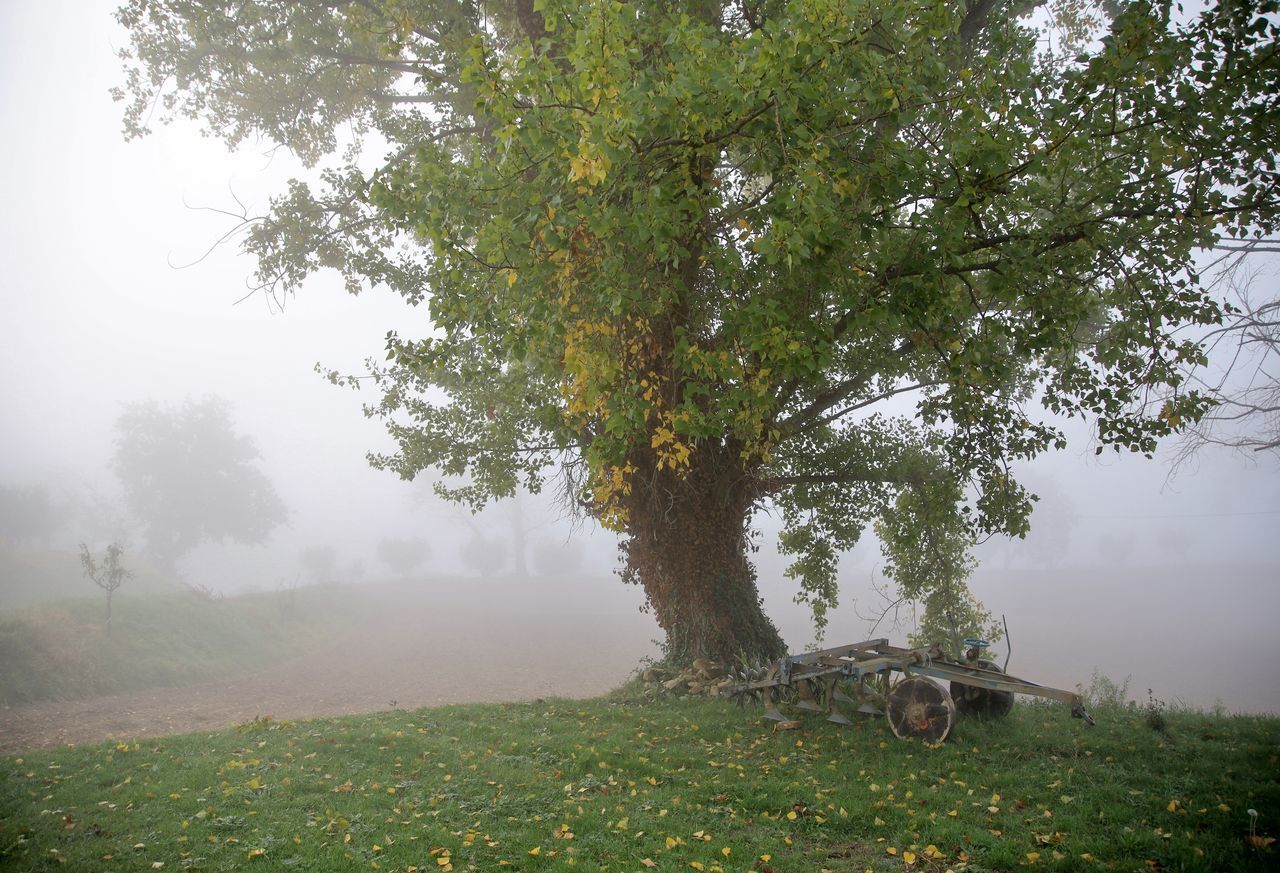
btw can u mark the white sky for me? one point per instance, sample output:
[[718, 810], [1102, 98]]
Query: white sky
[[96, 317]]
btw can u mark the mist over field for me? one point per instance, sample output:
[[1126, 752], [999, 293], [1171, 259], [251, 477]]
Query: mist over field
[[375, 593]]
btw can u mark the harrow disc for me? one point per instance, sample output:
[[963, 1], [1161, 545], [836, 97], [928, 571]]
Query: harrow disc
[[982, 703], [919, 707]]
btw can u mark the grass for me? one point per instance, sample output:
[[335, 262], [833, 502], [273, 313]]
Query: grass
[[30, 576], [623, 783], [60, 651]]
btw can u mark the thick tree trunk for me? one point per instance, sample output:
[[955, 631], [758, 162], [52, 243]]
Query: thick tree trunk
[[688, 548]]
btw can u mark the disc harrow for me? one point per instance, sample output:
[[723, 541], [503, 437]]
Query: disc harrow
[[861, 676]]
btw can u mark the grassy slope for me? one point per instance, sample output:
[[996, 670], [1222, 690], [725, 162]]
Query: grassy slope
[[32, 576], [60, 651], [623, 784]]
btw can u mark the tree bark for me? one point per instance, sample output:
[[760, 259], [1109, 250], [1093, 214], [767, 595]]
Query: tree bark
[[688, 548]]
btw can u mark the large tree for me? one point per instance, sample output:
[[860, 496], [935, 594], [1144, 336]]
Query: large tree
[[189, 478], [827, 257]]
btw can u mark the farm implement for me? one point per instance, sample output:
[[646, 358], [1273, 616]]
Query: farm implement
[[917, 706]]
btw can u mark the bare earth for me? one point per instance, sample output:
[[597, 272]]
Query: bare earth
[[424, 650]]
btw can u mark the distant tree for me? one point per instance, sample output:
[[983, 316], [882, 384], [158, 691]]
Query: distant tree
[[355, 570], [1116, 548], [403, 555], [1175, 542], [321, 562], [190, 478], [556, 556], [108, 575], [28, 514], [484, 554]]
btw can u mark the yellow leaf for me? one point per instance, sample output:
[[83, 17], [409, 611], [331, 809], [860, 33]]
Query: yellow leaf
[[697, 865], [791, 816], [909, 857], [725, 851], [1173, 806], [891, 850], [257, 853], [766, 858], [536, 851], [1033, 856], [671, 844], [648, 862]]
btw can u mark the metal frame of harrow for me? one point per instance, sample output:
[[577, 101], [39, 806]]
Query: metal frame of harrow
[[876, 659]]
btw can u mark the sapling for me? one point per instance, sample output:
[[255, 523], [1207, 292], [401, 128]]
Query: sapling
[[109, 575]]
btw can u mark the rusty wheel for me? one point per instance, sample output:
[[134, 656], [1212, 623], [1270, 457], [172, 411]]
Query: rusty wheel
[[974, 702], [921, 708]]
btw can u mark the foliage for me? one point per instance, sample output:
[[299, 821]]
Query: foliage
[[108, 575], [822, 256], [616, 784], [1105, 692], [404, 555], [189, 477]]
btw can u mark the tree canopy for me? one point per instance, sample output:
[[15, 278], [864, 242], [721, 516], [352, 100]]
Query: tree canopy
[[189, 478], [835, 258]]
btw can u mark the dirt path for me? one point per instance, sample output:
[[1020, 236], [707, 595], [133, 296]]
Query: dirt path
[[423, 651]]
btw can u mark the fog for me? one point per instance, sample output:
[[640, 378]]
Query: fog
[[114, 294]]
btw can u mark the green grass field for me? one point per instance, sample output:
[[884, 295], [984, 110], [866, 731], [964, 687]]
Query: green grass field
[[60, 650], [626, 784]]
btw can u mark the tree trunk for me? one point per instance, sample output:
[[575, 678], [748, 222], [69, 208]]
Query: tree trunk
[[688, 548], [109, 593]]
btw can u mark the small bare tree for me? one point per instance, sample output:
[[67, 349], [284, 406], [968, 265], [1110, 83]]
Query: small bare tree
[[109, 575]]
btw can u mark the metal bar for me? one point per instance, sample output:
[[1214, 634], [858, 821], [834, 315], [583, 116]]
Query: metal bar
[[837, 652], [994, 681]]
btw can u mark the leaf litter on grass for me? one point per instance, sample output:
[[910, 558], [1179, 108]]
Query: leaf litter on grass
[[611, 785]]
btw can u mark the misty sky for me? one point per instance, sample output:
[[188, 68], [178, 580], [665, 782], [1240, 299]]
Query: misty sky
[[97, 316]]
